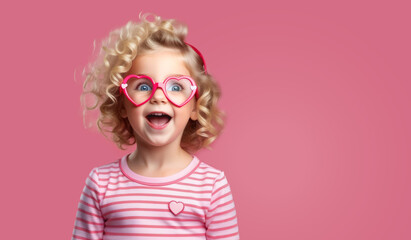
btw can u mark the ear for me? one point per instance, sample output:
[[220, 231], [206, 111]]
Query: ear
[[123, 112], [194, 114]]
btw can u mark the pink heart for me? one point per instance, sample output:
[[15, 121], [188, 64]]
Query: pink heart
[[176, 207]]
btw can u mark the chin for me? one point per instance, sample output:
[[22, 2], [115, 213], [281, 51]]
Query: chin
[[160, 141]]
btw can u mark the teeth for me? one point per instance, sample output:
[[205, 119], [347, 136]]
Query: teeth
[[158, 114]]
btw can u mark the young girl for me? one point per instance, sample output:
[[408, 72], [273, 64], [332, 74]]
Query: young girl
[[153, 90]]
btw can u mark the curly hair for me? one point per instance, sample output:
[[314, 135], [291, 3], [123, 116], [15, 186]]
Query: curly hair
[[115, 59]]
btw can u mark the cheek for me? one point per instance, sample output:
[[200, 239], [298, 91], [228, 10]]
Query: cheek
[[130, 111], [135, 117], [186, 112]]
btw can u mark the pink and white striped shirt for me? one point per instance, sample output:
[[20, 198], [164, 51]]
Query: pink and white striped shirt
[[117, 203]]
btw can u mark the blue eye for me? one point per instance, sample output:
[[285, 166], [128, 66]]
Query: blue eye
[[143, 87], [175, 88]]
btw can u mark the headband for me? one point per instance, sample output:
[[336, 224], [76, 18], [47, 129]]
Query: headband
[[199, 54]]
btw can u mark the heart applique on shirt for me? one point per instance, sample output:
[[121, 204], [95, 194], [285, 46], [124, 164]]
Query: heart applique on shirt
[[176, 207]]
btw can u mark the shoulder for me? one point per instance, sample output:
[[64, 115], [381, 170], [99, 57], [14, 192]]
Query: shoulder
[[112, 166], [210, 172], [103, 171], [99, 177], [206, 168]]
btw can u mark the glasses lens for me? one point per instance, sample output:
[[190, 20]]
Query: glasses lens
[[139, 89], [180, 90]]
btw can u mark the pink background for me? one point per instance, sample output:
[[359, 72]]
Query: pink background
[[317, 96]]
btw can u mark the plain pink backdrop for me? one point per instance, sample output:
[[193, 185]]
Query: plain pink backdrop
[[317, 143]]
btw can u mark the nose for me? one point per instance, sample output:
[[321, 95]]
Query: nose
[[158, 96]]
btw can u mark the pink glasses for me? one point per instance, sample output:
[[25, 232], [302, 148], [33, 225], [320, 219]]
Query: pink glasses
[[140, 88], [178, 90]]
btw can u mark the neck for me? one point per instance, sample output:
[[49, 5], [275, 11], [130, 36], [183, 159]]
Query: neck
[[156, 158]]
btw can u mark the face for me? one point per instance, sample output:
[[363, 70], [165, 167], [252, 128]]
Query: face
[[158, 122]]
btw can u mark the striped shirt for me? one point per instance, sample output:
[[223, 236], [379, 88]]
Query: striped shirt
[[117, 203]]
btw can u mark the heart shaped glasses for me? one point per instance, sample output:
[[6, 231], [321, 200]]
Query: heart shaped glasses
[[141, 88]]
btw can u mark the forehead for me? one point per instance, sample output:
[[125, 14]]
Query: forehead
[[160, 63]]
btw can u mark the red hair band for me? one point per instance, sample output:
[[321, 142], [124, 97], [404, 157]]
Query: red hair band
[[199, 53]]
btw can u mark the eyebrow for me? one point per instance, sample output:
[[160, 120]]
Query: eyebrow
[[171, 75], [176, 75]]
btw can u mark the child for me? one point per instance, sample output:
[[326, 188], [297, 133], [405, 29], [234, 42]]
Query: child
[[153, 90]]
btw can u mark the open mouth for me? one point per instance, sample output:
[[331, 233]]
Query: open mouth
[[158, 119]]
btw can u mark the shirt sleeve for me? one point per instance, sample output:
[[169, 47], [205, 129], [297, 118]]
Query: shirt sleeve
[[89, 223], [221, 217]]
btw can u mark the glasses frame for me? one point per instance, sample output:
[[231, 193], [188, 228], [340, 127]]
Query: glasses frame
[[162, 85]]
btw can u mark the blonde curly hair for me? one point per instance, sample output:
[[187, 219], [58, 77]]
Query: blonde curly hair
[[115, 59]]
